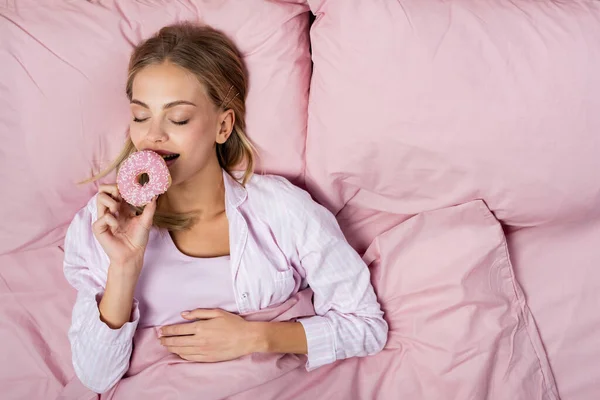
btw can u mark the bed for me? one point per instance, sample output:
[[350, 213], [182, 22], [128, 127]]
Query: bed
[[457, 142]]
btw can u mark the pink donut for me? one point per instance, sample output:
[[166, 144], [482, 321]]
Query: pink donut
[[138, 163]]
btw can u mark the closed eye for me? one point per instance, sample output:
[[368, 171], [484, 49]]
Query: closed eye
[[181, 122], [139, 120]]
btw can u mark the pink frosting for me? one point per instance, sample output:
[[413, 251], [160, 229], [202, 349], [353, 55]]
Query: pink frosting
[[145, 161]]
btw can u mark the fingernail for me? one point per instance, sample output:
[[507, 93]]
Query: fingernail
[[160, 332], [185, 313]]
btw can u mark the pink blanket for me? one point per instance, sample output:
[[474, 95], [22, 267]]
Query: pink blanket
[[459, 329], [156, 373]]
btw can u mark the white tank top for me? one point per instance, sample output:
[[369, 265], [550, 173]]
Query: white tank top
[[172, 282]]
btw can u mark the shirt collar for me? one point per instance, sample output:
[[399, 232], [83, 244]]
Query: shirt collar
[[235, 193]]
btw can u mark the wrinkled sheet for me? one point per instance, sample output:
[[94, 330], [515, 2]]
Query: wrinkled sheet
[[459, 328]]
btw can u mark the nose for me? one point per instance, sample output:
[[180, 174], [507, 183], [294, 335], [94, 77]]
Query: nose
[[156, 133]]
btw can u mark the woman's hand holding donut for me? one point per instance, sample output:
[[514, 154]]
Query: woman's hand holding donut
[[121, 233]]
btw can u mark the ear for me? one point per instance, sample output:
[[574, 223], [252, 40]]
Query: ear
[[226, 122]]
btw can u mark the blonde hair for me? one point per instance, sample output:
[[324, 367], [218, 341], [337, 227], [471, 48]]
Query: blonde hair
[[218, 65]]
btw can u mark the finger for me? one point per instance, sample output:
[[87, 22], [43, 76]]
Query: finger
[[112, 190], [104, 223], [148, 214], [200, 313], [184, 350], [178, 341], [105, 202], [126, 210], [178, 330], [198, 358]]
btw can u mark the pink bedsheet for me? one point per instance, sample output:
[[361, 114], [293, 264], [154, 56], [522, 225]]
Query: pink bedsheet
[[459, 328]]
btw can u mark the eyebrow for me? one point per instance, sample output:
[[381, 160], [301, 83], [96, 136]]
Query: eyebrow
[[168, 105]]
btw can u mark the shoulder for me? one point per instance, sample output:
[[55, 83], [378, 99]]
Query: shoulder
[[276, 192], [281, 202]]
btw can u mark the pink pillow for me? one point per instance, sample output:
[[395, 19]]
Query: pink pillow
[[455, 310], [64, 113], [417, 105]]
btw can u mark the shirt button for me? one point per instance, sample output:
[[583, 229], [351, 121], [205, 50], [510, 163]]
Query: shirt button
[[244, 295]]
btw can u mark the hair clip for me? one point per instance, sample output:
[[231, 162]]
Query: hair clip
[[225, 104]]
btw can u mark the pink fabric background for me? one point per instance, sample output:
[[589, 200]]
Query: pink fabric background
[[415, 107]]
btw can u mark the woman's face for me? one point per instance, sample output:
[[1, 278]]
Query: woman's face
[[172, 115]]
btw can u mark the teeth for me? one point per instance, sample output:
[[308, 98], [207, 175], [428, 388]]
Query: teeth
[[170, 156]]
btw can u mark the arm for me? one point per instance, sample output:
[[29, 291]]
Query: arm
[[116, 303], [349, 320], [100, 353], [278, 337]]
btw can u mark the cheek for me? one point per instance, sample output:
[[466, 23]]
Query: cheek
[[136, 134], [198, 137]]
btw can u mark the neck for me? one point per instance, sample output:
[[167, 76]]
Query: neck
[[203, 194]]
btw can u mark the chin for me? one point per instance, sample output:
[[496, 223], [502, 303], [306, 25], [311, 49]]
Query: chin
[[178, 178], [175, 181]]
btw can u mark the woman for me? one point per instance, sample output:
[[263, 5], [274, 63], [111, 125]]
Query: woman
[[216, 244]]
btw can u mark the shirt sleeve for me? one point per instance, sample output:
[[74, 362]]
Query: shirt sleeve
[[100, 354], [349, 320]]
